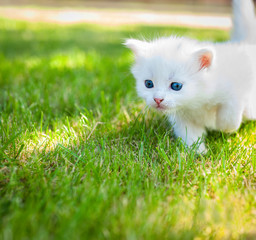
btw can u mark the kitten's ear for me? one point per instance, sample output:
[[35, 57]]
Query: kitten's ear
[[137, 46], [204, 58]]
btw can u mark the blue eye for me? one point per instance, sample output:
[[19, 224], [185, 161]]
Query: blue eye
[[176, 86], [149, 84]]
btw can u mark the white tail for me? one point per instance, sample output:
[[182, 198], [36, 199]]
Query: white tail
[[244, 21]]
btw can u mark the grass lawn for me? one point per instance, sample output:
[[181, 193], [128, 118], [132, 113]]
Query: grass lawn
[[82, 158]]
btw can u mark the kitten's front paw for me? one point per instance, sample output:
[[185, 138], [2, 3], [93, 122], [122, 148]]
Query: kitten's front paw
[[202, 149], [197, 147], [227, 127]]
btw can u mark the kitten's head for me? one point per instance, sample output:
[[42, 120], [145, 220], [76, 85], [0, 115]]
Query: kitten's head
[[170, 72]]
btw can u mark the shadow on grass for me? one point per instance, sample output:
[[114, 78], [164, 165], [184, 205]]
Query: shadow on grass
[[21, 39]]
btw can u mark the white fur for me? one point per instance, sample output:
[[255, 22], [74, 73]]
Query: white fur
[[244, 21], [219, 96]]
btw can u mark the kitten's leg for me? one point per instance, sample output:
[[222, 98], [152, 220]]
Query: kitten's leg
[[249, 114], [189, 132], [229, 117], [250, 109]]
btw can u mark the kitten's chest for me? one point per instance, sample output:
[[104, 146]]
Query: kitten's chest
[[204, 116]]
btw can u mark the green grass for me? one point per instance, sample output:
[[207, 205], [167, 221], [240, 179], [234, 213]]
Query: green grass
[[81, 158]]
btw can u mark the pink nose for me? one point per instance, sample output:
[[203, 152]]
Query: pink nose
[[158, 100]]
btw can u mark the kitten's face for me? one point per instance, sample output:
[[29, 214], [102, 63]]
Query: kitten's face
[[168, 82], [163, 84]]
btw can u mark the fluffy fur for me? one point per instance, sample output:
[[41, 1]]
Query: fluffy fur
[[218, 82], [244, 21]]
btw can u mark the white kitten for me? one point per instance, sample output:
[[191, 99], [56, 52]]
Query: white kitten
[[199, 85]]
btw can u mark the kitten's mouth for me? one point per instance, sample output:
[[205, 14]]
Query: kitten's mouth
[[160, 107]]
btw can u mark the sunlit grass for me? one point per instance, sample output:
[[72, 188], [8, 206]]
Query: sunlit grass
[[82, 158]]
